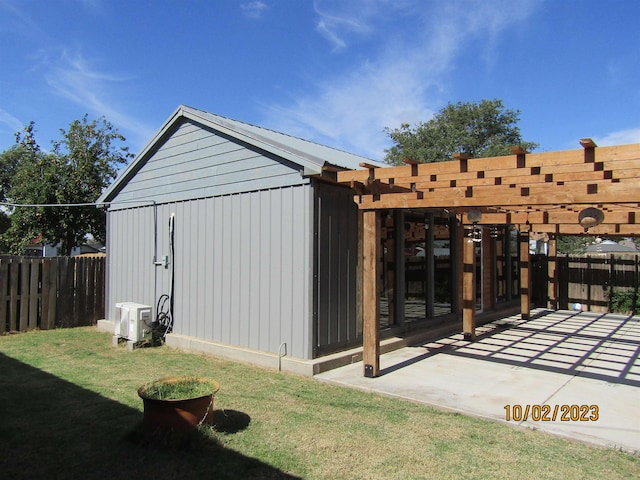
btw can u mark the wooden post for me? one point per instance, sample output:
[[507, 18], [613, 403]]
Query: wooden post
[[370, 300], [400, 285], [469, 289], [525, 276], [360, 277], [509, 294], [431, 280], [552, 282]]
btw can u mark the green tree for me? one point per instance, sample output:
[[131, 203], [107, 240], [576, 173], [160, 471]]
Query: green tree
[[26, 152], [572, 244], [484, 129], [8, 164], [80, 166]]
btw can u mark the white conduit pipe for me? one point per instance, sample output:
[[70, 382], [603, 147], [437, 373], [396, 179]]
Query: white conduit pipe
[[280, 354]]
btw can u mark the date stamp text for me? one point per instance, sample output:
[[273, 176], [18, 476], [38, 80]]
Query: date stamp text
[[551, 413]]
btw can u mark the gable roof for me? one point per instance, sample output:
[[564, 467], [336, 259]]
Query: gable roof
[[609, 246], [311, 157]]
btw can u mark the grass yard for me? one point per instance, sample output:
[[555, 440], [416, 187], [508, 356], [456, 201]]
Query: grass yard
[[69, 409]]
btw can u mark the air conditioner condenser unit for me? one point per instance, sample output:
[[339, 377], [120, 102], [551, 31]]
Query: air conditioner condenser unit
[[133, 321]]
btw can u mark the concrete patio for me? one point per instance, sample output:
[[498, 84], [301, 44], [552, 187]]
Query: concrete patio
[[561, 358]]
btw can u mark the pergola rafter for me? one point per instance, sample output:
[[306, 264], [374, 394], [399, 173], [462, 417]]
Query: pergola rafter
[[542, 189], [538, 193]]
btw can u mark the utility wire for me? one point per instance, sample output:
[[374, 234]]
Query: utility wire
[[85, 204]]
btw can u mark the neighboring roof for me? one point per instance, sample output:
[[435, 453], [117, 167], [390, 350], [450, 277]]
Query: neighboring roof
[[607, 246], [312, 157]]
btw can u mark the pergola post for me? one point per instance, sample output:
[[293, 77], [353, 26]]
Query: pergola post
[[468, 289], [552, 289], [525, 276], [370, 299]]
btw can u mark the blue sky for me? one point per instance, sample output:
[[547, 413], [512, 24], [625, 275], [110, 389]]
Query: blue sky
[[333, 71]]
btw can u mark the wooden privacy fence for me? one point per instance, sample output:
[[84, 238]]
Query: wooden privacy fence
[[588, 280], [37, 292]]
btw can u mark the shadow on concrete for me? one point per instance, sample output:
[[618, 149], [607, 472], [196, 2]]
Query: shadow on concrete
[[51, 428], [590, 345]]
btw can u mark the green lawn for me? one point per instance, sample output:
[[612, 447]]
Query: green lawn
[[69, 409]]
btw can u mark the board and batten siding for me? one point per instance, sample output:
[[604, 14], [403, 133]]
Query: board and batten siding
[[336, 263], [197, 162], [261, 254], [242, 263]]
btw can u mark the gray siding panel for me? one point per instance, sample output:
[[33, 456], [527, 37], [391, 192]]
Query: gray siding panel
[[196, 162], [336, 268], [243, 271], [131, 273]]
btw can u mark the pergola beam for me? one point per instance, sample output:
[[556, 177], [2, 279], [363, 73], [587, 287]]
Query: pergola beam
[[548, 162], [548, 196]]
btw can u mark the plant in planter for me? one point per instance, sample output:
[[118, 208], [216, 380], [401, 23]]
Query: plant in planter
[[178, 403]]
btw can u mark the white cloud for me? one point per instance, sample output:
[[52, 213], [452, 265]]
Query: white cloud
[[405, 80], [72, 76], [326, 31], [621, 137], [352, 112], [254, 9], [339, 19], [13, 124]]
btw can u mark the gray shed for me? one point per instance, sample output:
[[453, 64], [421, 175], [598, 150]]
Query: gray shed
[[246, 232]]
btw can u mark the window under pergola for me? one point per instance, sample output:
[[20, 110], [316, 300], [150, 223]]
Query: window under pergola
[[594, 189]]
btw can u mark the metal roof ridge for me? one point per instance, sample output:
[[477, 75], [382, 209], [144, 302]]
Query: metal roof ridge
[[279, 133]]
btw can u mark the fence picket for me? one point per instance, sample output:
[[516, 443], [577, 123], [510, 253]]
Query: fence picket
[[4, 285], [38, 292], [14, 275], [34, 293], [64, 310], [81, 289], [49, 293], [91, 285], [25, 270]]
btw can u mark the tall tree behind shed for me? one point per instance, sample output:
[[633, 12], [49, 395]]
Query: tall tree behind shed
[[81, 165], [484, 129]]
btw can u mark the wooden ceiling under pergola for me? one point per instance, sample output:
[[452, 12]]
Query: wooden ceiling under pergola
[[535, 192]]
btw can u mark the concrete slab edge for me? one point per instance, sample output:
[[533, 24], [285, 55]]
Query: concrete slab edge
[[585, 439]]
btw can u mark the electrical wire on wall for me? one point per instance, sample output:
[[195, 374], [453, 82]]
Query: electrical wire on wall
[[164, 309]]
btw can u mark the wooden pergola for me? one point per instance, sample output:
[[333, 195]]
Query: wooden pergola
[[594, 189]]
